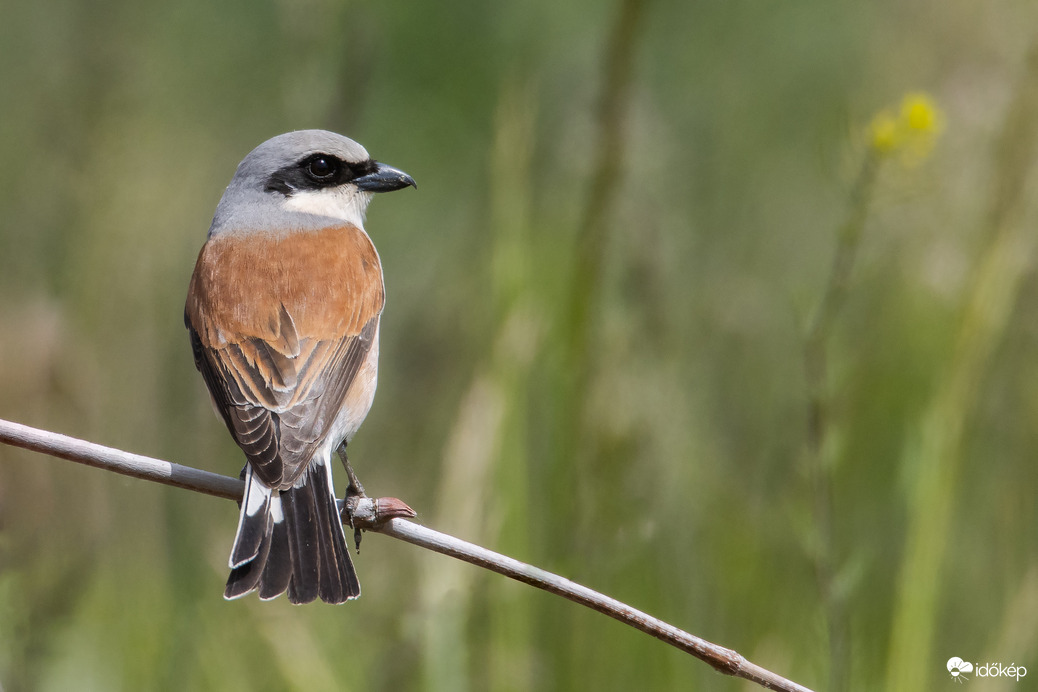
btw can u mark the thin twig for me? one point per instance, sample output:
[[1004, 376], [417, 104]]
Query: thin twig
[[72, 449]]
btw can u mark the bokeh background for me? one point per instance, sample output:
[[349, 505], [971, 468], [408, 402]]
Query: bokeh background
[[602, 350]]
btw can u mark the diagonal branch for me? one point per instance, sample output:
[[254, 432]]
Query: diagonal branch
[[72, 449]]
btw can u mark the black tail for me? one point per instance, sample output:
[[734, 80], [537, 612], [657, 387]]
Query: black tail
[[292, 541]]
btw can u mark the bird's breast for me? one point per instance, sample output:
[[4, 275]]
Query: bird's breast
[[328, 280]]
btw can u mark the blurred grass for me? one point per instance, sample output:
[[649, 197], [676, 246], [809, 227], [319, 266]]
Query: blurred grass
[[660, 462], [933, 454]]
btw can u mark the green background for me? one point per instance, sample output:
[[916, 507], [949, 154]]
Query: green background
[[593, 350]]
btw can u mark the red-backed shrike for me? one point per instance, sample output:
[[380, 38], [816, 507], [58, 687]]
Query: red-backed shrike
[[283, 312]]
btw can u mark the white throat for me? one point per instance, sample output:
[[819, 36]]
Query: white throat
[[346, 203]]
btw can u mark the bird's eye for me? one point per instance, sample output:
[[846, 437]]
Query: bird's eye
[[322, 167]]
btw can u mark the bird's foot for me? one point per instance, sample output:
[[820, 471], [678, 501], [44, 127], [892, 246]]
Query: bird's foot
[[363, 512], [371, 513]]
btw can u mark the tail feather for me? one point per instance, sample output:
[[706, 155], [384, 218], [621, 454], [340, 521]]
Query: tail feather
[[276, 573], [292, 541], [304, 537], [338, 579], [246, 577], [254, 521]]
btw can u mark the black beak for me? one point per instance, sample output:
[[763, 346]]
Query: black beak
[[384, 179]]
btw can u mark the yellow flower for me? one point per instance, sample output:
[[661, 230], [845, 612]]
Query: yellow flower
[[909, 132], [920, 113], [884, 132]]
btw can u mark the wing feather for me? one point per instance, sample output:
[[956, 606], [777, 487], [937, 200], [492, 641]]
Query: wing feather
[[280, 437]]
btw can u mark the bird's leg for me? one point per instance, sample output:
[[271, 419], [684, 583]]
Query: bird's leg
[[354, 491], [363, 511]]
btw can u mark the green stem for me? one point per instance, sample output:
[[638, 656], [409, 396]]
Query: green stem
[[821, 466]]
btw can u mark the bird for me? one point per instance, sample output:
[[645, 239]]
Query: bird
[[283, 311]]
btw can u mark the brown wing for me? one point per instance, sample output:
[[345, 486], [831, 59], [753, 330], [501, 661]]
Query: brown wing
[[280, 328]]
